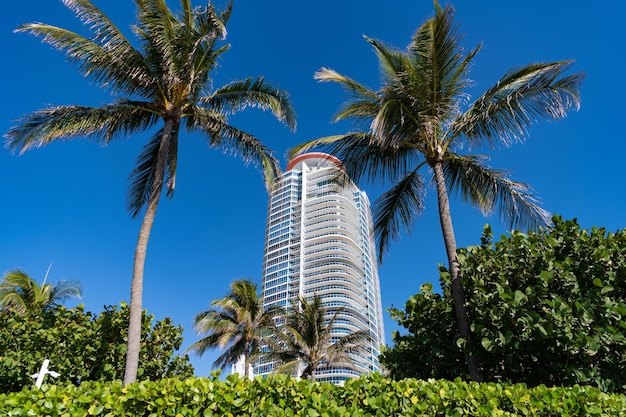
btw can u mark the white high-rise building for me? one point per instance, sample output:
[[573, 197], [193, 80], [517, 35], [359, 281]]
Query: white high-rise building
[[319, 240]]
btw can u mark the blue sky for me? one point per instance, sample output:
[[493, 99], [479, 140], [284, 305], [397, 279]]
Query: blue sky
[[65, 204]]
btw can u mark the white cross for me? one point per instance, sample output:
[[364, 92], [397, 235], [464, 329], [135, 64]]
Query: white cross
[[42, 373]]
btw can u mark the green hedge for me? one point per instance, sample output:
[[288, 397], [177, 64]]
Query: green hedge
[[284, 396]]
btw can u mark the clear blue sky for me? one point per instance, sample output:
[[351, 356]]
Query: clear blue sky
[[65, 204]]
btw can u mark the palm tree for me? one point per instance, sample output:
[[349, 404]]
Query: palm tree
[[20, 293], [307, 339], [237, 322], [165, 81], [416, 121]]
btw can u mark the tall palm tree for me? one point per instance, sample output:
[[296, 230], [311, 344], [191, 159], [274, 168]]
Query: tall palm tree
[[417, 121], [238, 323], [306, 339], [163, 81], [20, 293]]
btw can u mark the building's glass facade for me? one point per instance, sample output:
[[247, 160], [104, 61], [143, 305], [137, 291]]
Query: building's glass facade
[[319, 240]]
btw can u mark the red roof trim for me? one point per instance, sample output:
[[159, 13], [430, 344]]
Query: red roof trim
[[312, 155]]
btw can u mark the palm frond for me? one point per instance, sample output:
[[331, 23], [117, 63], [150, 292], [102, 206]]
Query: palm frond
[[305, 338], [287, 349], [220, 329], [108, 57], [121, 66], [439, 65], [171, 164], [16, 291], [353, 87], [201, 346], [391, 113], [203, 52], [19, 292], [286, 366], [224, 15], [227, 305], [62, 290], [361, 112], [364, 157], [350, 344], [489, 189], [238, 95], [197, 116], [143, 175], [363, 103], [67, 122], [353, 342], [279, 346], [207, 20], [237, 323], [13, 301], [156, 27], [505, 112], [229, 139], [211, 22], [396, 209], [231, 354], [17, 278], [187, 14], [393, 63], [395, 123], [208, 320], [195, 49], [181, 51], [388, 114], [315, 143]]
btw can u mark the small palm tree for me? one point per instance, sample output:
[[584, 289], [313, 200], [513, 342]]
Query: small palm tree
[[306, 339], [162, 85], [20, 293], [416, 121], [238, 323]]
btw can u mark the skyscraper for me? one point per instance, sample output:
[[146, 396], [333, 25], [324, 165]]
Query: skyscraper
[[319, 240]]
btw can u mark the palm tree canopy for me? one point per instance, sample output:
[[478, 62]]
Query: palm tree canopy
[[422, 116], [307, 338], [166, 77], [161, 83], [20, 293], [237, 323]]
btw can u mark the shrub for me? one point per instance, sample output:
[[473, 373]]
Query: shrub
[[282, 395], [83, 347], [545, 308]]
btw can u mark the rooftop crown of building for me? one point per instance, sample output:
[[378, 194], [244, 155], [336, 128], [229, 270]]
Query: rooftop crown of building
[[319, 159]]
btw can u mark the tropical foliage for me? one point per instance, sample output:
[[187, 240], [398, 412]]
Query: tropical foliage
[[307, 340], [20, 293], [546, 307], [419, 121], [161, 84], [280, 395], [237, 323], [84, 347]]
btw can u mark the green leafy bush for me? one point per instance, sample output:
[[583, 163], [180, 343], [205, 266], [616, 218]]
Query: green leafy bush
[[83, 347], [285, 396], [545, 308]]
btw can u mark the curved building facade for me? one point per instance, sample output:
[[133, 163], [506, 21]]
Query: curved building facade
[[319, 240]]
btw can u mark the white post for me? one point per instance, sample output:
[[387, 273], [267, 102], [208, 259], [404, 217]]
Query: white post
[[242, 369], [42, 373], [250, 372]]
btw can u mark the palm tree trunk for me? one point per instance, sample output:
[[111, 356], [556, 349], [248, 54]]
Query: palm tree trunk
[[136, 290], [458, 295]]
